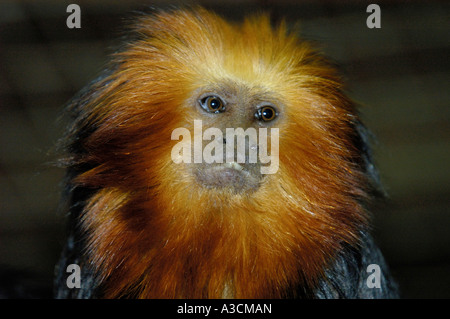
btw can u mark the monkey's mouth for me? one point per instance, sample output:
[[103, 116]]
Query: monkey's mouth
[[232, 175]]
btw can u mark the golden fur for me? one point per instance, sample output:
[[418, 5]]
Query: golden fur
[[152, 231]]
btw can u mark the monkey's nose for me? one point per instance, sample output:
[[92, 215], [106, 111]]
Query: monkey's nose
[[240, 151]]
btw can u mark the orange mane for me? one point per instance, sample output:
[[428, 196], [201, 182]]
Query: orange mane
[[152, 231]]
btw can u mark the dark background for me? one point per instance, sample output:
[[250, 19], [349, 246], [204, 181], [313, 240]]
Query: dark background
[[399, 74]]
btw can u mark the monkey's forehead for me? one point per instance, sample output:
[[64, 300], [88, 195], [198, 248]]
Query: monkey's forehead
[[202, 47]]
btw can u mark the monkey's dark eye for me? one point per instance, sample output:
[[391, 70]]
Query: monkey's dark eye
[[266, 113], [212, 104]]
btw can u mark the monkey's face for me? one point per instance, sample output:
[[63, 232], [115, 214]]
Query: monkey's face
[[228, 150]]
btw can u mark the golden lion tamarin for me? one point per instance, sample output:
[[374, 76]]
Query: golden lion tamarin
[[150, 218]]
